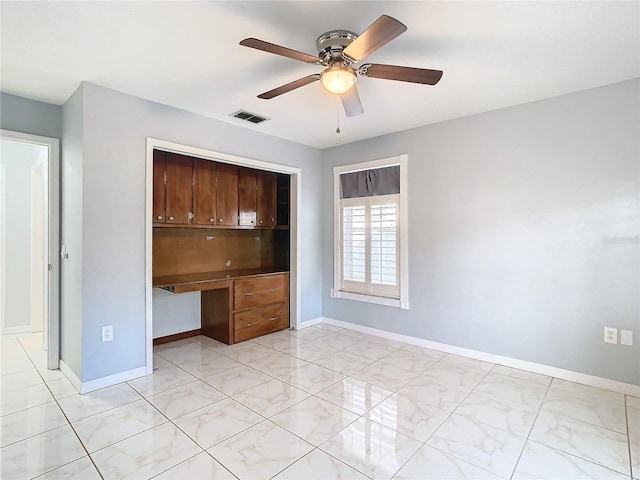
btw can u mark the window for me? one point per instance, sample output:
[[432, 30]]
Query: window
[[370, 252]]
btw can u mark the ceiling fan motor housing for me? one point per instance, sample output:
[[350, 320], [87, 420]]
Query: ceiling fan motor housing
[[331, 45]]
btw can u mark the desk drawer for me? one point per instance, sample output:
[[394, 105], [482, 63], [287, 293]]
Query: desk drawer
[[252, 292], [260, 321]]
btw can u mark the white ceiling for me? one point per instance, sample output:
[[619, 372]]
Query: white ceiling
[[186, 54]]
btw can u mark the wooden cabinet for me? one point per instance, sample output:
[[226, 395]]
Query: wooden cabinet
[[252, 306], [158, 186], [178, 189], [260, 321], [266, 199], [254, 291], [227, 194], [204, 189], [260, 305], [247, 197], [282, 199], [202, 193]]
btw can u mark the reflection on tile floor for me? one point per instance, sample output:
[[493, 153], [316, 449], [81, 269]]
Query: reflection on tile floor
[[322, 403]]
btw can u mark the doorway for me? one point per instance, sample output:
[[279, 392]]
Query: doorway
[[29, 238]]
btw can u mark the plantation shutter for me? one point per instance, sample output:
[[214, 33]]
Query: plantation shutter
[[369, 206]]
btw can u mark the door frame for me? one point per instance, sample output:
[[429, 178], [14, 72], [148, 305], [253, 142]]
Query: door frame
[[38, 175], [295, 210], [52, 194]]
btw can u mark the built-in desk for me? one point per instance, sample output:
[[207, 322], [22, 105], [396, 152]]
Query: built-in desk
[[236, 305]]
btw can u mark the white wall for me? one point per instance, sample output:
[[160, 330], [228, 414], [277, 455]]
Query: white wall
[[18, 159], [512, 215], [114, 131]]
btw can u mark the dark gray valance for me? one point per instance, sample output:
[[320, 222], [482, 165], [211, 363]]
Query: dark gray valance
[[370, 183]]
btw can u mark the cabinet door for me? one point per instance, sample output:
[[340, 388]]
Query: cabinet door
[[227, 195], [247, 196], [266, 204], [204, 192], [158, 186], [178, 188]]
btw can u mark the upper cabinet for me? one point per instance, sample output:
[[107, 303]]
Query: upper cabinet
[[178, 189], [158, 186], [226, 195], [204, 198], [247, 197], [266, 199], [203, 193]]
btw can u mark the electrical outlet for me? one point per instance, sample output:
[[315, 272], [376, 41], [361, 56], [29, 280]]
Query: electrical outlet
[[626, 337], [610, 335], [107, 333]]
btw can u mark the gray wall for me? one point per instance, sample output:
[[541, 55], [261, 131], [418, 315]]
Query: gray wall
[[29, 116], [71, 205], [18, 159], [115, 128], [511, 219]]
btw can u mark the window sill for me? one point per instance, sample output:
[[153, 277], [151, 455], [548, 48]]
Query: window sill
[[359, 297]]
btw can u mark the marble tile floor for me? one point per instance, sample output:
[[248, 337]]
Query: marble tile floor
[[322, 403]]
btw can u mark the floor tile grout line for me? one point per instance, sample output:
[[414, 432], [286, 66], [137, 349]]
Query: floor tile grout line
[[626, 418], [563, 451], [66, 418], [443, 422], [533, 424]]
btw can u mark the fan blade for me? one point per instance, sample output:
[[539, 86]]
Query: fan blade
[[279, 50], [351, 102], [301, 82], [401, 74], [381, 32]]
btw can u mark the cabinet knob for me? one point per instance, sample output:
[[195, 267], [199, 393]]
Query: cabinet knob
[[272, 289], [248, 324], [260, 221], [248, 294], [212, 220], [170, 218], [220, 220], [159, 217], [252, 221], [273, 318]]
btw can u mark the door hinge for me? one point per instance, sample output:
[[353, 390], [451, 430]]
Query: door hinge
[[50, 267]]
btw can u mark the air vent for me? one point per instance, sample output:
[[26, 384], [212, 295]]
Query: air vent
[[248, 116]]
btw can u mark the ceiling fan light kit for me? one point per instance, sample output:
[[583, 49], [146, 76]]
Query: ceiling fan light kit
[[339, 51], [338, 79]]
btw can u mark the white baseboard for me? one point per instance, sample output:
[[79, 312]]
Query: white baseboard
[[310, 323], [15, 330], [98, 383], [110, 380], [75, 381], [605, 383]]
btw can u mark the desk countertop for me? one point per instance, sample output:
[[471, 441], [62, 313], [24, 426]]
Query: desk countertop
[[206, 277]]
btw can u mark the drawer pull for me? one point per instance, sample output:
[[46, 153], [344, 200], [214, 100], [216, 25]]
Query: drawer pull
[[248, 324], [248, 294], [273, 318], [273, 289]]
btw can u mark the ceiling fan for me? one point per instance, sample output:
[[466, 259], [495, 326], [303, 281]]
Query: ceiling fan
[[339, 51]]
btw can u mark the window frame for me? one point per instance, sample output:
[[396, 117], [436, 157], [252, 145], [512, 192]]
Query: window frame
[[403, 234]]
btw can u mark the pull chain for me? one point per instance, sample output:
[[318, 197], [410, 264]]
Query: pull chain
[[338, 122]]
